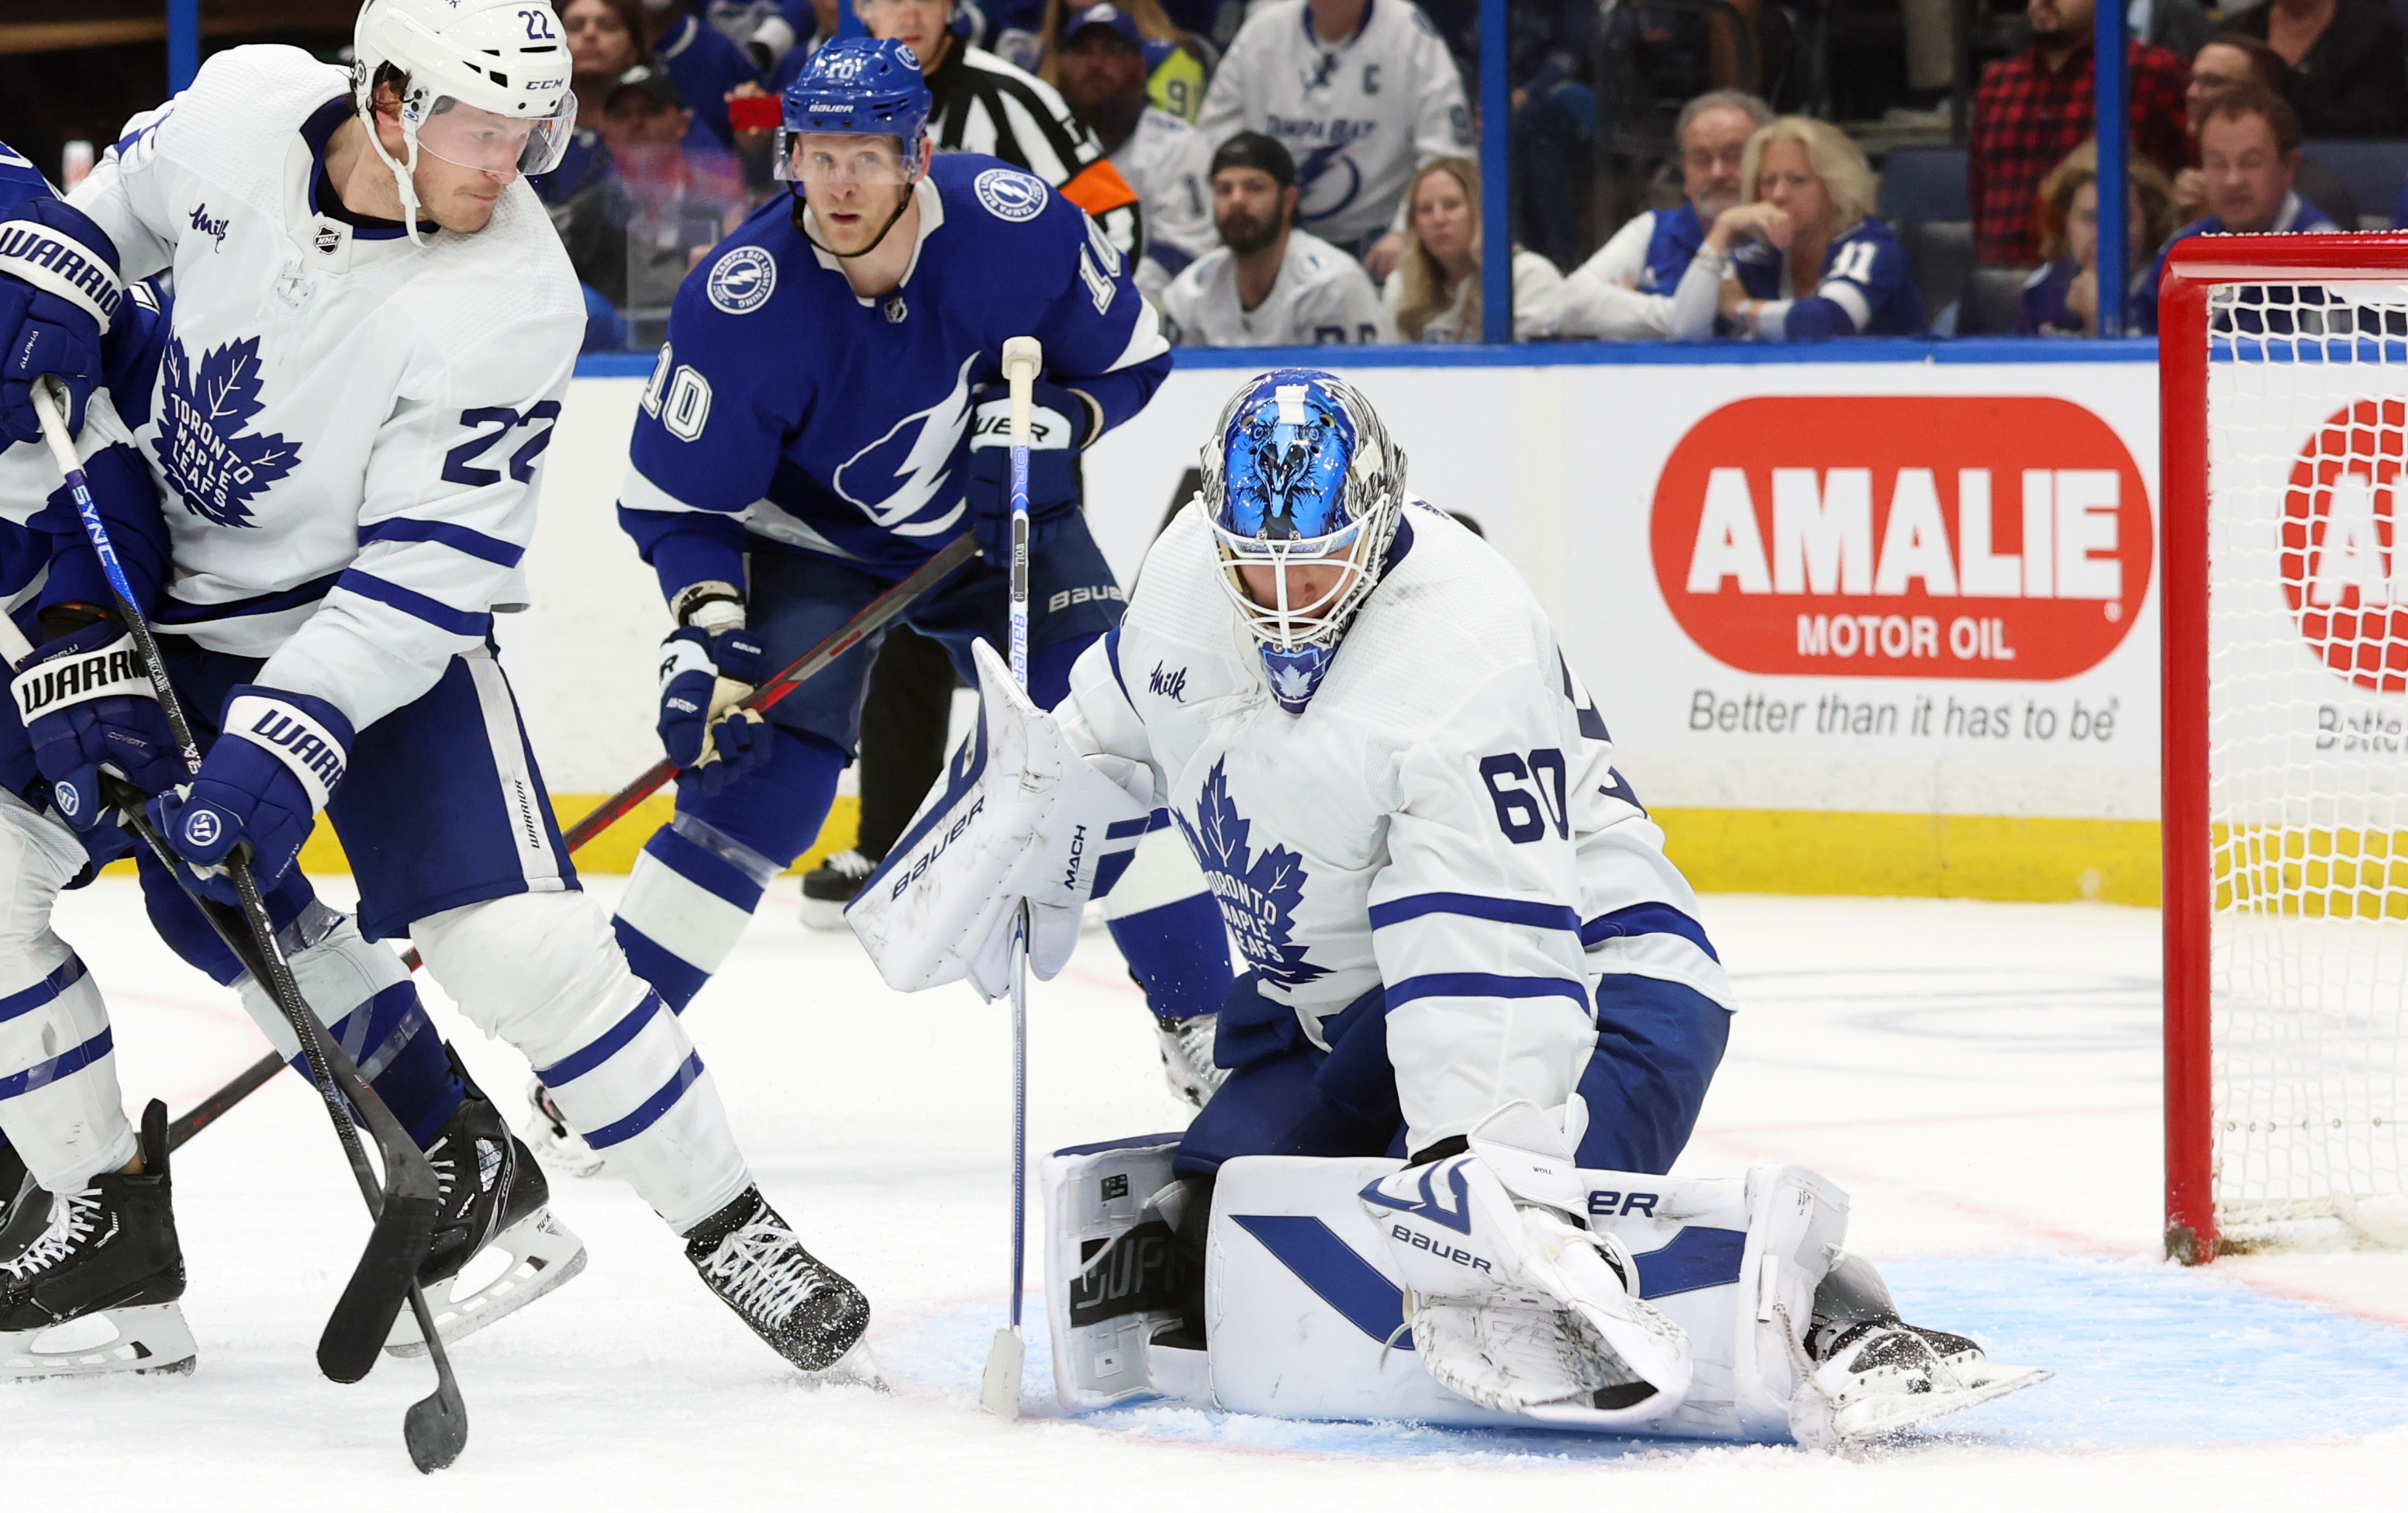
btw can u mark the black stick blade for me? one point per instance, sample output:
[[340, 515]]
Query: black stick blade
[[435, 1429], [371, 1301]]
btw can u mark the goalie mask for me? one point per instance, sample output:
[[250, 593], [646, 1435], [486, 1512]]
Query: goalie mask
[[483, 84], [1301, 486]]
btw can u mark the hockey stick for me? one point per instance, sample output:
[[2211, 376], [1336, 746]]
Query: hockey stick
[[404, 1207], [870, 617], [999, 1385]]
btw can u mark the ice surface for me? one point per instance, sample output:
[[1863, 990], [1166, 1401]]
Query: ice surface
[[1982, 1078]]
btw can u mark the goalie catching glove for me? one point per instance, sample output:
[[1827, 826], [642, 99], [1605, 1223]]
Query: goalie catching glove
[[1020, 814], [1514, 1301], [280, 759]]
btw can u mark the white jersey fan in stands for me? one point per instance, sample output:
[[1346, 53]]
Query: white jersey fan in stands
[[2285, 622]]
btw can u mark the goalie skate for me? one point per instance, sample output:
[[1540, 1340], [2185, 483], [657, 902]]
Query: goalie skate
[[494, 1198], [93, 1289], [1187, 1057], [1876, 1379], [798, 1305]]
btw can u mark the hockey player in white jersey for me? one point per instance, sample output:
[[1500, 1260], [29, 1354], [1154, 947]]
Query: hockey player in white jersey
[[1362, 91], [1468, 950], [1270, 284], [373, 328]]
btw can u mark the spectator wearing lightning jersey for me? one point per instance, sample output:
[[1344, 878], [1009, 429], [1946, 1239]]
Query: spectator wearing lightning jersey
[[1810, 207], [1624, 293], [1362, 93], [1270, 284]]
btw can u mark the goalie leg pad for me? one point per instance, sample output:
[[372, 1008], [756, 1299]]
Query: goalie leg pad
[[59, 1099], [543, 971]]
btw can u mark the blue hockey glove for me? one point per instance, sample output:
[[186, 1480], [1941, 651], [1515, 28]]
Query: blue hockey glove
[[703, 677], [88, 707], [1057, 428], [278, 761], [59, 291]]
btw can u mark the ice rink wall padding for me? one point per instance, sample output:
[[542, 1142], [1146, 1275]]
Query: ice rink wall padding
[[1871, 617]]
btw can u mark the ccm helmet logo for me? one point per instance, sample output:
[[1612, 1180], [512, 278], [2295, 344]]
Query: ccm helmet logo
[[1896, 537], [2344, 554]]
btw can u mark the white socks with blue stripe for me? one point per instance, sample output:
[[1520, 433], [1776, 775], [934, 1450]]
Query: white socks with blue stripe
[[59, 1100], [543, 971]]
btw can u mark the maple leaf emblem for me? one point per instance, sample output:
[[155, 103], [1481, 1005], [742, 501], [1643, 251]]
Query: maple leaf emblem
[[1258, 894], [212, 460]]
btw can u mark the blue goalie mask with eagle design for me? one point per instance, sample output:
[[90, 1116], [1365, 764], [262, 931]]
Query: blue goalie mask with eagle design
[[1301, 474]]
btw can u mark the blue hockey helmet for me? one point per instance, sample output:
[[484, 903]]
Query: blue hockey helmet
[[1301, 474], [857, 86]]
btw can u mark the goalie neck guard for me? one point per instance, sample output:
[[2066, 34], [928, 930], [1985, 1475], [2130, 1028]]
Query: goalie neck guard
[[483, 84], [1301, 474]]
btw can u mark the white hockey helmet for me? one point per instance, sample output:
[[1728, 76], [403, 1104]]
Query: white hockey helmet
[[485, 84]]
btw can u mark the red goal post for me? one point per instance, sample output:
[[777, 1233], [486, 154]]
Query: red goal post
[[2282, 366]]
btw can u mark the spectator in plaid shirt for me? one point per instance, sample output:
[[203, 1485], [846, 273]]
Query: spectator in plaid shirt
[[2035, 107]]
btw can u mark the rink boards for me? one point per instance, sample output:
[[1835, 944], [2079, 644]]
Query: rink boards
[[1879, 617]]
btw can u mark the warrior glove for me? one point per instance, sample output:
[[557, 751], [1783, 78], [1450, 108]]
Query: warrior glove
[[59, 291], [280, 759], [89, 708]]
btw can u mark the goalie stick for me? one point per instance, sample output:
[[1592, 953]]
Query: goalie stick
[[871, 617], [404, 1207]]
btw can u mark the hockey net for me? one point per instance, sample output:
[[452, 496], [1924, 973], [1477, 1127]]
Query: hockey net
[[2284, 371]]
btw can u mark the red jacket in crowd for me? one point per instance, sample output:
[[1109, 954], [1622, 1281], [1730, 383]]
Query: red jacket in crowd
[[2027, 118]]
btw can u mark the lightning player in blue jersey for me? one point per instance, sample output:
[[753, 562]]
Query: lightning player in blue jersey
[[829, 414], [1804, 256]]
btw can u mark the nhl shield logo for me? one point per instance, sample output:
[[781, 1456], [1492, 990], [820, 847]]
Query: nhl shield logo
[[743, 280], [1010, 194]]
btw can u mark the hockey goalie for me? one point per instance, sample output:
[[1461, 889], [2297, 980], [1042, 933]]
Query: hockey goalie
[[1481, 1014]]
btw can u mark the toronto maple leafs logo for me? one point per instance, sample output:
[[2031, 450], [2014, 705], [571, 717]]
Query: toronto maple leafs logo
[[215, 465], [1258, 894]]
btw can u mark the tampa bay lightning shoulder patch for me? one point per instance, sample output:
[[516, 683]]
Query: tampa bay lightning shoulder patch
[[1010, 194], [743, 279]]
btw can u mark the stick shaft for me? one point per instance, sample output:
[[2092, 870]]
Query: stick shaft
[[1023, 359]]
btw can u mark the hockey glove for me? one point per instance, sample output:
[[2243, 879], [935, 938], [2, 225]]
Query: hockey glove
[[59, 291], [1057, 428], [703, 678], [89, 708], [276, 765]]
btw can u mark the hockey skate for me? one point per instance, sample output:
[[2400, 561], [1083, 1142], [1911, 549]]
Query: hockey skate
[[106, 1257], [796, 1303], [830, 885], [495, 1198], [1187, 1057], [1865, 1373], [554, 1142]]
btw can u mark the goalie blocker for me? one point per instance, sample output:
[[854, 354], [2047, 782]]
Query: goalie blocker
[[1788, 1337]]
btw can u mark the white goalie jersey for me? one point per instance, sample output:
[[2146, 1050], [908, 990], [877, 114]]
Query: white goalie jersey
[[346, 425], [1443, 821]]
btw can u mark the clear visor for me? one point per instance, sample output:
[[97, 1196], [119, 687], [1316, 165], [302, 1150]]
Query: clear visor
[[1288, 604], [825, 158], [467, 136]]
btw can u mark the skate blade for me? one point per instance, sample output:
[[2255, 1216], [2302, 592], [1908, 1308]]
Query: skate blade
[[856, 1367], [543, 1255], [146, 1340], [1879, 1415]]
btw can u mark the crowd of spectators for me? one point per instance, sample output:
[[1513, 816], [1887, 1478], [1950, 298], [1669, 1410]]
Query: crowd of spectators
[[1300, 172]]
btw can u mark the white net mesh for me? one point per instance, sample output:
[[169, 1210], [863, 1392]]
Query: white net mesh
[[2307, 423]]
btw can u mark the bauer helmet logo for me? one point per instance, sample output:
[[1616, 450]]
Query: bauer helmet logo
[[1010, 194], [742, 282]]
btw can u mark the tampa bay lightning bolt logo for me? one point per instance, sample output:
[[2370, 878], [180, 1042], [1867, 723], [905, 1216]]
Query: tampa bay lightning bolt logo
[[1328, 179], [1258, 894], [895, 477], [743, 280], [1010, 194], [212, 462]]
